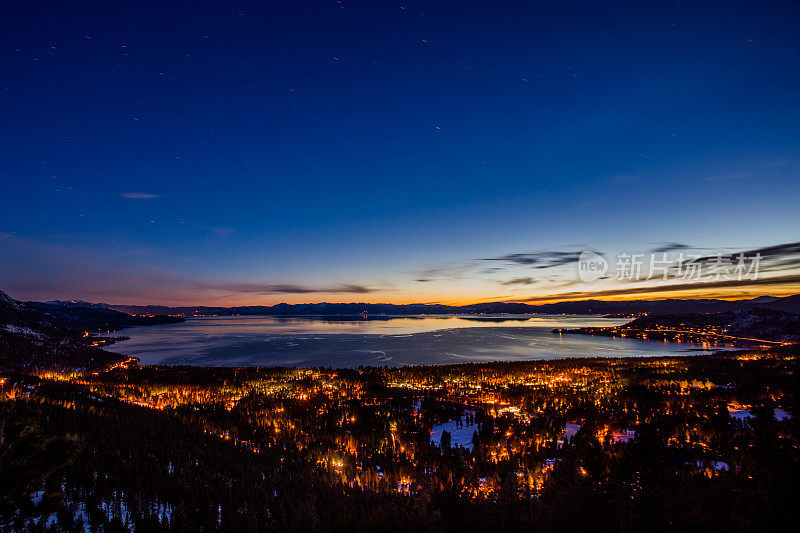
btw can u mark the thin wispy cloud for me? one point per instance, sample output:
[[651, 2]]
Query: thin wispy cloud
[[447, 271], [518, 281], [477, 268], [539, 259], [667, 247], [139, 195], [776, 258], [778, 252], [288, 288], [791, 279]]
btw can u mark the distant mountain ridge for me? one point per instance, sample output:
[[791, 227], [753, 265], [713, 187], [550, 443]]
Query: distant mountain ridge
[[97, 317], [76, 303], [582, 307]]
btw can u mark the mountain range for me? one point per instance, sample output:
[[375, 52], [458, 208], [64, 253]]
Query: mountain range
[[581, 307]]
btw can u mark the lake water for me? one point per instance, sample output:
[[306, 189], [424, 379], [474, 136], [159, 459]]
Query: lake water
[[394, 341]]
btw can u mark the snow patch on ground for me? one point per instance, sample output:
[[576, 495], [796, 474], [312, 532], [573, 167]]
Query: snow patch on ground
[[626, 435], [570, 431], [745, 414], [36, 497], [740, 414], [781, 414], [459, 435], [22, 330], [720, 465]]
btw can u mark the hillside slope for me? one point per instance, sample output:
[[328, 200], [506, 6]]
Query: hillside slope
[[35, 340], [745, 327]]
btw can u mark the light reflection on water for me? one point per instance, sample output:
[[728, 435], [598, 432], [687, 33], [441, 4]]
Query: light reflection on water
[[383, 340], [379, 325]]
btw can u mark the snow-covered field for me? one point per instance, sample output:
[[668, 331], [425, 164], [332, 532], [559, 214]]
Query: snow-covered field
[[570, 431], [460, 435]]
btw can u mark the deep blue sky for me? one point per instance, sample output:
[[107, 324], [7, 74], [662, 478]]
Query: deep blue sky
[[250, 152]]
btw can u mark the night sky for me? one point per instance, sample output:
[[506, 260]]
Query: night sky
[[252, 153]]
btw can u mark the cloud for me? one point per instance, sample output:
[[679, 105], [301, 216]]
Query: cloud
[[774, 258], [790, 279], [451, 270], [518, 281], [541, 259], [286, 288], [139, 195], [666, 247], [478, 269]]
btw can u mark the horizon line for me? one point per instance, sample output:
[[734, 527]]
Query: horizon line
[[480, 302]]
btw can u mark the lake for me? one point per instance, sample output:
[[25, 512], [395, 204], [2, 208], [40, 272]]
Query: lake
[[393, 341]]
